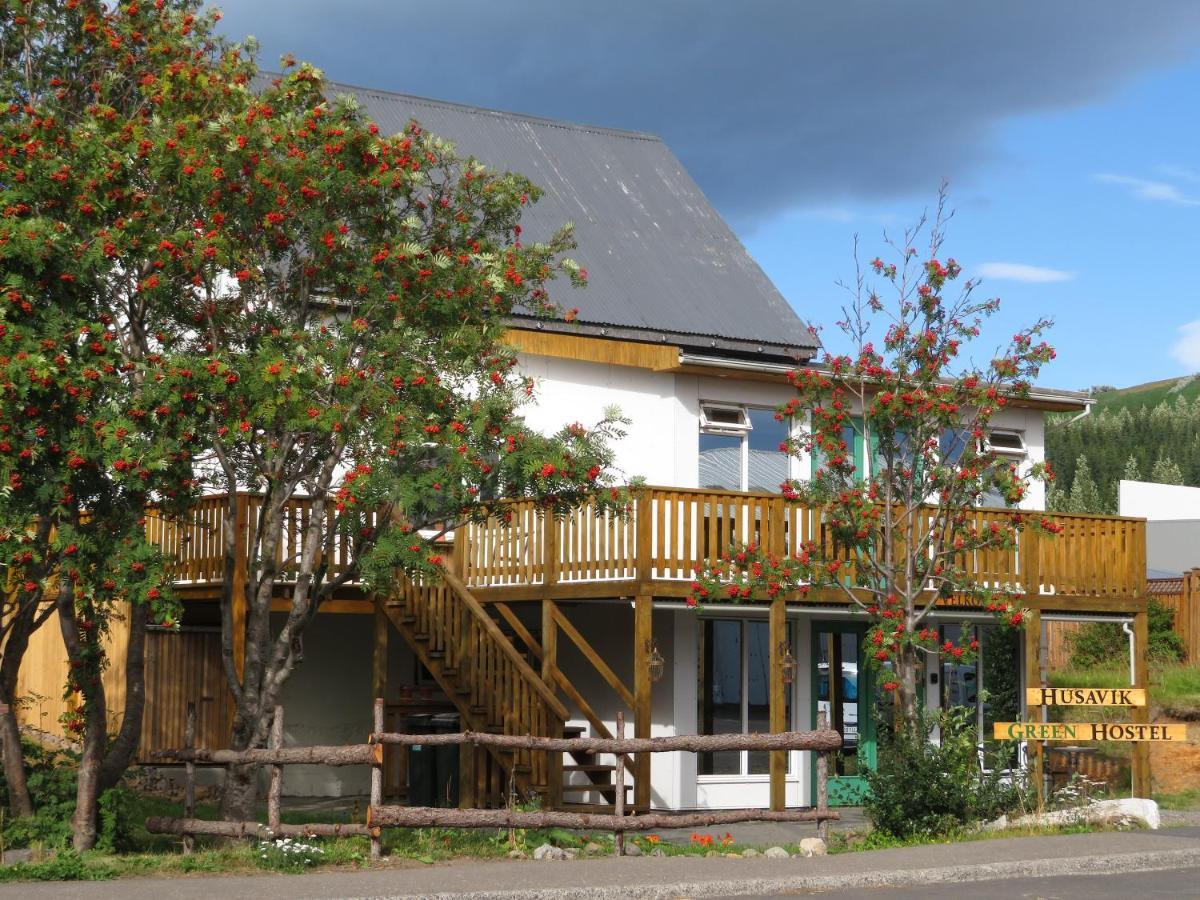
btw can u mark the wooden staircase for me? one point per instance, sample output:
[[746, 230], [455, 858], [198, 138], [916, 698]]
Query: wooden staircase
[[490, 683]]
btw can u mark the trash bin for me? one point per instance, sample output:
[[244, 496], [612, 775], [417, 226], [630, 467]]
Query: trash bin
[[421, 763], [447, 761]]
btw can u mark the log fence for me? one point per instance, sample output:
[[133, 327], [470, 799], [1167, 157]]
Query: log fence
[[821, 741]]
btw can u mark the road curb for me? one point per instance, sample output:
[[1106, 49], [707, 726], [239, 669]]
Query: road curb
[[1147, 861]]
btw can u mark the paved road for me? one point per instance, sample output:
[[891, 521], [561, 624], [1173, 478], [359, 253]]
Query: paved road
[[1174, 883]]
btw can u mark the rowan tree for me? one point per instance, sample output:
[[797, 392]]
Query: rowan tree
[[899, 527], [88, 437], [341, 340]]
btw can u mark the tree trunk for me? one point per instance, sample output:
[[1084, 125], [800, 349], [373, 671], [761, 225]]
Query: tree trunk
[[87, 793], [239, 797], [24, 622], [84, 655], [20, 803], [123, 748], [907, 671]]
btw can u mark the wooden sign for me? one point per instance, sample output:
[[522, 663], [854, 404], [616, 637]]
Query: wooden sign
[[1085, 696], [1088, 731]]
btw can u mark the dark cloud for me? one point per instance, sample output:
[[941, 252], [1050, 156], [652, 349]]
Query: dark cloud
[[770, 104]]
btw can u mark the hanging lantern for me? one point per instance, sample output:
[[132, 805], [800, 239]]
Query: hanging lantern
[[787, 663], [655, 663]]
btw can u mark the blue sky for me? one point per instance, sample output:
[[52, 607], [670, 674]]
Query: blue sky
[[1105, 197], [1067, 130]]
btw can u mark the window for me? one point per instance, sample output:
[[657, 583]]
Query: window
[[852, 436], [990, 685], [734, 698], [739, 449], [1005, 443], [1007, 448]]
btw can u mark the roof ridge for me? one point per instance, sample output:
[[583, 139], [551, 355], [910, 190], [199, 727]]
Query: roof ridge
[[501, 113]]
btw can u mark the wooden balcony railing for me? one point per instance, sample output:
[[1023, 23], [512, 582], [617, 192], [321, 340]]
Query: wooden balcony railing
[[668, 533]]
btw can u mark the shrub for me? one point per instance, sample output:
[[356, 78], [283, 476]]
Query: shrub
[[1100, 643], [923, 788], [51, 777]]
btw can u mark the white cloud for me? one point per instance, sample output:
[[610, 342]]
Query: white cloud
[[1180, 173], [1008, 271], [1144, 189], [1186, 349]]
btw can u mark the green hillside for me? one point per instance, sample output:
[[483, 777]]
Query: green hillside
[[1148, 432], [1149, 394]]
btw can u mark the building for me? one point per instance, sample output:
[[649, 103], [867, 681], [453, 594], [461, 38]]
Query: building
[[546, 625]]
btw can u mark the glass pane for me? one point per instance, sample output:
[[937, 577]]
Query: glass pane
[[848, 689], [960, 683], [721, 692], [1000, 665], [758, 690], [768, 464], [720, 462]]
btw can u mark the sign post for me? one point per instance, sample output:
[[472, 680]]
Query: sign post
[[1139, 732]]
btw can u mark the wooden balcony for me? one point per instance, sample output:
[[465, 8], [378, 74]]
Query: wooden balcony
[[1097, 563]]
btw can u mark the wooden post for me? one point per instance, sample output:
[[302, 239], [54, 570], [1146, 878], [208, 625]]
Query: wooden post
[[1142, 786], [275, 794], [554, 761], [376, 779], [379, 657], [549, 553], [1031, 565], [189, 774], [777, 635], [619, 837], [822, 782], [644, 539], [1033, 678], [241, 575], [643, 639]]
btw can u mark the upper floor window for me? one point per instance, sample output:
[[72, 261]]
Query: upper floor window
[[739, 448]]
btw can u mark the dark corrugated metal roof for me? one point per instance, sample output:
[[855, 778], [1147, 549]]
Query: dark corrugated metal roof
[[662, 263]]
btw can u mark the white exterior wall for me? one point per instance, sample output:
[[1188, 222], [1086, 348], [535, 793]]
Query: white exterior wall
[[1158, 502], [573, 391]]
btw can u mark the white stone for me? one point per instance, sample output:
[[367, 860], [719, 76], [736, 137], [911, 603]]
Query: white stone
[[748, 854], [547, 851], [1125, 811], [813, 846], [776, 853], [632, 849]]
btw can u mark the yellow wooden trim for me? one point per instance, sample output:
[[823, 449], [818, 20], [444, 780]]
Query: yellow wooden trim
[[655, 357]]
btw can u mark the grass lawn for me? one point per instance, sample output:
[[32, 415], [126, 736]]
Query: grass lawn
[[1175, 686]]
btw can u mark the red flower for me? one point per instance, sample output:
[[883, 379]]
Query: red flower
[[548, 470]]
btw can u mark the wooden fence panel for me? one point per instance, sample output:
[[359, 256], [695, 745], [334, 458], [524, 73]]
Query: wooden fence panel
[[185, 667]]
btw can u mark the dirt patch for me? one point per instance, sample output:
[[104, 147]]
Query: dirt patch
[[1174, 767]]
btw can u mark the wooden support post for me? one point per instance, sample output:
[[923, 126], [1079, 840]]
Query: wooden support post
[[1142, 786], [822, 782], [554, 761], [644, 539], [275, 794], [189, 774], [1033, 679], [549, 642], [241, 538], [379, 657], [777, 700], [376, 779], [619, 837], [643, 641]]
